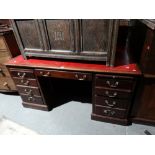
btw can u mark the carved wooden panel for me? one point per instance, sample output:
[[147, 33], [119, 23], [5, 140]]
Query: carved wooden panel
[[60, 34], [93, 39], [28, 32], [96, 35]]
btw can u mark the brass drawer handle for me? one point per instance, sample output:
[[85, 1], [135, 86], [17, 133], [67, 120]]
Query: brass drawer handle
[[28, 92], [31, 98], [111, 96], [110, 105], [21, 75], [109, 112], [25, 83], [80, 78], [47, 74], [114, 85]]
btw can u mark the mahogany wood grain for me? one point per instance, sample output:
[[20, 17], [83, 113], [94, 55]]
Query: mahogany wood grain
[[110, 112], [36, 106], [28, 90], [113, 93], [110, 119], [64, 74], [22, 73], [32, 99], [110, 102], [25, 82], [112, 81]]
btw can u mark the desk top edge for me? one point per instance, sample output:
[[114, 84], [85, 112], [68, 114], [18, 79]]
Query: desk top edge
[[19, 61]]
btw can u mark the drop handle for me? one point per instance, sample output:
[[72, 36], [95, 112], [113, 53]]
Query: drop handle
[[47, 74], [31, 98], [109, 112], [80, 78], [110, 104], [109, 95], [25, 83], [28, 92], [21, 75], [112, 85]]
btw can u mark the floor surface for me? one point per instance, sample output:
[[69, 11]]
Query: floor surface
[[72, 118]]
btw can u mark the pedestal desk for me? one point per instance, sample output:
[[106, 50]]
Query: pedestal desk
[[42, 83]]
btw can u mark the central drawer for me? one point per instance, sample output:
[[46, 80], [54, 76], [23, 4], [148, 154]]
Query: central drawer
[[64, 74]]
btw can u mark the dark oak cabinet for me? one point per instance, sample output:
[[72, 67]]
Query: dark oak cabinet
[[87, 39]]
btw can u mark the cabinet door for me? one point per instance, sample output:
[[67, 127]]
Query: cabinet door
[[60, 35], [28, 35], [96, 36]]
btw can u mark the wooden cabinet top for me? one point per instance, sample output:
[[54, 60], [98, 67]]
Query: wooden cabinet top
[[19, 61]]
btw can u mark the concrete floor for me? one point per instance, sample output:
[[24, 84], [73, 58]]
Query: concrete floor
[[70, 118]]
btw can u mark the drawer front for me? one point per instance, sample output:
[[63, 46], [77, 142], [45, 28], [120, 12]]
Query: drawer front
[[113, 103], [7, 84], [2, 44], [32, 99], [64, 74], [113, 93], [118, 82], [28, 91], [26, 82], [22, 73], [110, 112], [3, 71]]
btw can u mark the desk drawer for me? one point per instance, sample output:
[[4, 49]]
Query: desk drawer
[[32, 99], [110, 112], [22, 73], [113, 93], [28, 91], [26, 82], [112, 103], [64, 74], [118, 82]]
